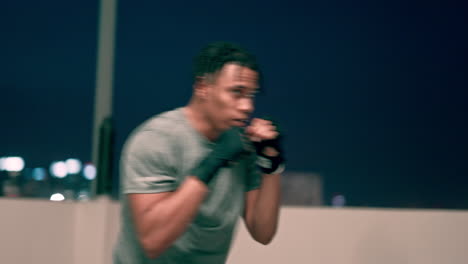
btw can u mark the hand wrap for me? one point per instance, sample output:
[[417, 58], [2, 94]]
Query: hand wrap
[[229, 147]]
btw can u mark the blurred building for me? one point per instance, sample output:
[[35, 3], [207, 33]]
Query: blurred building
[[301, 189]]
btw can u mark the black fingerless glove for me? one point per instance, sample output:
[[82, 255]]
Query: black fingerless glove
[[270, 164]]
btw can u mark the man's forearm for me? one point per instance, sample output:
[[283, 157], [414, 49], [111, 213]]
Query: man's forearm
[[266, 214]]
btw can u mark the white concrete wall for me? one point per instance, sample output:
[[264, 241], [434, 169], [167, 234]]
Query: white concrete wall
[[34, 231], [361, 236]]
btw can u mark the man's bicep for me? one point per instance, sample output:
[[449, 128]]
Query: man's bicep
[[141, 203]]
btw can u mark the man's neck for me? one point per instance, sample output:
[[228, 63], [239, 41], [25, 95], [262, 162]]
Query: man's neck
[[200, 122]]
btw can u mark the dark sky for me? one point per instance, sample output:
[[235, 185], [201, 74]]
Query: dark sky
[[370, 94]]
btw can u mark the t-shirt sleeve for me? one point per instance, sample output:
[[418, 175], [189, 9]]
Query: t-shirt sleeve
[[254, 176], [146, 166]]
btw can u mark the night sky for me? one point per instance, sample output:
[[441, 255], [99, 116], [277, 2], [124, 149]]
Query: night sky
[[370, 95]]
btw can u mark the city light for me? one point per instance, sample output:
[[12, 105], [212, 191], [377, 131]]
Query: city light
[[59, 169], [339, 200], [61, 180], [38, 174], [57, 197], [13, 164], [89, 171], [73, 166], [83, 195]]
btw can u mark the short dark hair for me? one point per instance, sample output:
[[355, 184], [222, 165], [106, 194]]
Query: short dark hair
[[215, 55]]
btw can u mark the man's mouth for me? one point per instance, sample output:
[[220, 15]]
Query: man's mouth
[[241, 122]]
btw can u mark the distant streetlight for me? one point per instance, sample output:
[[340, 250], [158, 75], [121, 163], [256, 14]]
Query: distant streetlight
[[12, 164], [73, 166], [59, 169], [89, 171], [38, 174]]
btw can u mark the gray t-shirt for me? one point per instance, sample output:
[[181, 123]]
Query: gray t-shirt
[[157, 157]]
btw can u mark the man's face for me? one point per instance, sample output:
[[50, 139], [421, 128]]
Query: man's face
[[230, 97]]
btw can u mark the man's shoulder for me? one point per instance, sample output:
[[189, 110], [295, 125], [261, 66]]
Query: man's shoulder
[[166, 123], [164, 127]]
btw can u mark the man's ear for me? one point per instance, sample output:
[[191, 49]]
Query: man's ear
[[200, 87]]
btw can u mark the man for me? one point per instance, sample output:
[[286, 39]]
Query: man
[[188, 174]]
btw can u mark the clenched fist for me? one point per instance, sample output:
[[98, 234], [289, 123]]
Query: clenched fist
[[266, 139]]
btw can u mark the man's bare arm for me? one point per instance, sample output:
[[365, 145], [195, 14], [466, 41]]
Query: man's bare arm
[[262, 205], [262, 209], [160, 218]]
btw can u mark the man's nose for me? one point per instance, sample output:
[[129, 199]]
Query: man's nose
[[246, 105]]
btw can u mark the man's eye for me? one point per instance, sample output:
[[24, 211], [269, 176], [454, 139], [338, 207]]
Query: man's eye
[[236, 91], [251, 95]]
